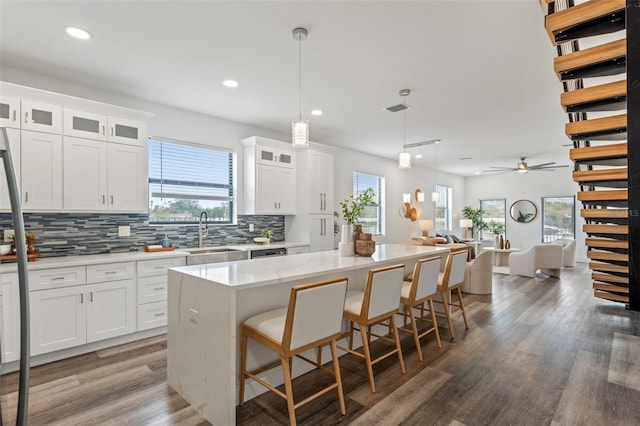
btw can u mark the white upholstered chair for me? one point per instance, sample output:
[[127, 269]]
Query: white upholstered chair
[[568, 251], [478, 276], [415, 293], [377, 304], [544, 257], [312, 319]]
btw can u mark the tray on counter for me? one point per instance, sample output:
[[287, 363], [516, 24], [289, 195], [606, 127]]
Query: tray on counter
[[153, 249], [14, 257]]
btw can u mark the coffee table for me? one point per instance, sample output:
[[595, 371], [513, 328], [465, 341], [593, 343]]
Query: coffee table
[[501, 256]]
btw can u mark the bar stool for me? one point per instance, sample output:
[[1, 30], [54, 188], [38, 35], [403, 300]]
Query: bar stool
[[452, 279], [312, 319], [415, 293], [376, 304]]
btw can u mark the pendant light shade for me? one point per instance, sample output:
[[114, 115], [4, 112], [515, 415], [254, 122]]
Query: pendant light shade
[[435, 197], [300, 127], [404, 160]]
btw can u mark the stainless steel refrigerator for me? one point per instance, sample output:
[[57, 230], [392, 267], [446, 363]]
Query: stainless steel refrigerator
[[21, 251]]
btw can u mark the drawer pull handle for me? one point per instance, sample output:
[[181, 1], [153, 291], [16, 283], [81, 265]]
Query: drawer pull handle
[[159, 288], [57, 278], [111, 272], [161, 314], [159, 267], [90, 296], [81, 298]]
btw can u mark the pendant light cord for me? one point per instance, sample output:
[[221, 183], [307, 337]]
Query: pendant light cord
[[300, 77]]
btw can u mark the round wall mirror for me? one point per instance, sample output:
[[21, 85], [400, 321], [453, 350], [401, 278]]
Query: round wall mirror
[[523, 211]]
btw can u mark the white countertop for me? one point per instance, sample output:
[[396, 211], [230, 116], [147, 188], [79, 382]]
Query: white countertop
[[265, 271], [93, 259]]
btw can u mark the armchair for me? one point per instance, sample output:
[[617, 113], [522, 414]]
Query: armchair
[[568, 251], [546, 257]]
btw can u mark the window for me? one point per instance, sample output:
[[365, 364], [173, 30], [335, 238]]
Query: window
[[186, 179], [493, 210], [443, 208], [373, 219], [558, 218]]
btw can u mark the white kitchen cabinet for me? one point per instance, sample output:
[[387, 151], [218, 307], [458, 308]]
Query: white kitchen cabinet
[[125, 131], [320, 182], [275, 156], [152, 291], [321, 233], [84, 124], [297, 250], [275, 192], [10, 112], [41, 171], [9, 317], [128, 181], [58, 319], [111, 309], [152, 315], [41, 117], [14, 145]]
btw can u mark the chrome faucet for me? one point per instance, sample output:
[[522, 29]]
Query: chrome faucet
[[203, 231]]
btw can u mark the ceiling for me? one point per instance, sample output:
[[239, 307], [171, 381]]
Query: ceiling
[[480, 72]]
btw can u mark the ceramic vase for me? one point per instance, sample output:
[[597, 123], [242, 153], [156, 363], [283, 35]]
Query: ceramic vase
[[501, 242], [346, 246]]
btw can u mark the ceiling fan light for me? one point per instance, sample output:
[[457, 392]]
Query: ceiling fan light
[[404, 160]]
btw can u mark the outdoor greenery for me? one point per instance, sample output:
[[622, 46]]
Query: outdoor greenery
[[184, 210], [496, 228], [353, 208]]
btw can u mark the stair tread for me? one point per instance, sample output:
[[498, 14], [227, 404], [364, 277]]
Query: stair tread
[[601, 266], [607, 255], [580, 14], [611, 296], [589, 129], [605, 229], [591, 56], [610, 194], [599, 152], [597, 285], [606, 243], [598, 276], [604, 213], [602, 92], [604, 177]]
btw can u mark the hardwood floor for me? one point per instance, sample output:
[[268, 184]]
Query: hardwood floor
[[537, 352]]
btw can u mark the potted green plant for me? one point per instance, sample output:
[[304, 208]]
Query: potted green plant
[[475, 215], [265, 236], [30, 238], [353, 209]]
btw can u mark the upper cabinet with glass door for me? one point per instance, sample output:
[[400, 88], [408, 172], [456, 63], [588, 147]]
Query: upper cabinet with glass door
[[88, 125], [41, 117], [10, 112], [275, 156]]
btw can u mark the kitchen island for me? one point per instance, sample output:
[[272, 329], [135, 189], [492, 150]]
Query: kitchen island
[[208, 303]]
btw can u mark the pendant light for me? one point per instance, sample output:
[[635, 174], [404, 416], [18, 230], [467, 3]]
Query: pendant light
[[404, 159], [300, 127], [435, 196]]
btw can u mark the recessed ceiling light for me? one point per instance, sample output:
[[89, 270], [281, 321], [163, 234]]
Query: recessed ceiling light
[[418, 155], [78, 33], [477, 173], [230, 83], [316, 112]]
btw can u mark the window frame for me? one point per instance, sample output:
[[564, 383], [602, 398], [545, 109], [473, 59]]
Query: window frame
[[380, 198], [230, 184], [504, 218], [542, 217], [448, 217]]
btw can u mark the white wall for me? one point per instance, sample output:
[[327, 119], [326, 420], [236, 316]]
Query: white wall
[[530, 186]]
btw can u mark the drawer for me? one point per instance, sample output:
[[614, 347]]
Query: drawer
[[152, 315], [152, 289], [148, 268], [57, 277], [111, 272]]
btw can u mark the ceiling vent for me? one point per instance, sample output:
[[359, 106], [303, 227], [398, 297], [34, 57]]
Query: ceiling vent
[[396, 108]]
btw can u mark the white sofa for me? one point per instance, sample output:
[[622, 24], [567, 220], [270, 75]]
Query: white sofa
[[544, 257], [478, 276], [568, 251]]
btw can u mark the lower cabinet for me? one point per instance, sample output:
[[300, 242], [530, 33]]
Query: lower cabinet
[[9, 317], [152, 291], [321, 233], [70, 316]]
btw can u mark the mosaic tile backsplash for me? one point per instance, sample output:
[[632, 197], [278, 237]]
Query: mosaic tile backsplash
[[63, 234]]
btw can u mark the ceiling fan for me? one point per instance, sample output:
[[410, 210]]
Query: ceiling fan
[[523, 167]]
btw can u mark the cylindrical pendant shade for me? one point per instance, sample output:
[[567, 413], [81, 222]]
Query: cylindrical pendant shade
[[404, 160], [300, 133], [435, 196]]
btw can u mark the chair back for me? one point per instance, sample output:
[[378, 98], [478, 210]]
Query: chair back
[[382, 293], [454, 269], [425, 278], [315, 312]]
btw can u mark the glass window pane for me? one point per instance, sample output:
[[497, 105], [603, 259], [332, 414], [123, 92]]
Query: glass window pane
[[372, 220], [443, 208], [493, 210], [558, 218]]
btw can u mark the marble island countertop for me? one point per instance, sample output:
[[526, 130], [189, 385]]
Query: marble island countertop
[[265, 271], [95, 259]]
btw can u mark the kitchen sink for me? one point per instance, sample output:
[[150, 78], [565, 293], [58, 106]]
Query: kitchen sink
[[199, 256]]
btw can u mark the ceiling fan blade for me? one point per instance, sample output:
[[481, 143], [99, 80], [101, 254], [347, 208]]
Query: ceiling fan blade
[[502, 168], [497, 172], [547, 167], [541, 165]]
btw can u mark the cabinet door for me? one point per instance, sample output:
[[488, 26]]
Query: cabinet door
[[58, 319], [152, 315], [85, 174], [14, 145], [10, 317], [266, 155], [286, 190], [111, 309], [321, 182], [266, 194], [127, 178], [10, 112], [41, 117], [127, 131], [41, 171], [83, 124], [321, 233], [286, 158]]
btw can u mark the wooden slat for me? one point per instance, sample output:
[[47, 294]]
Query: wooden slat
[[602, 177], [593, 94], [603, 124], [579, 14], [610, 287], [606, 229], [604, 243], [610, 296], [600, 152], [609, 195], [604, 213], [597, 276], [607, 256], [593, 55], [607, 267]]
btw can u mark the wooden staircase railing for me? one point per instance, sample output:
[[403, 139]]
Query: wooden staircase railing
[[601, 170]]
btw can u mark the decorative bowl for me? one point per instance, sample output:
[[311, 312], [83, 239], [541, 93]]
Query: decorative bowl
[[5, 249], [261, 240]]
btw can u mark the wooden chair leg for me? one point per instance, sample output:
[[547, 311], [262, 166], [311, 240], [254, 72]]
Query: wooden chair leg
[[435, 322], [243, 365], [445, 305], [367, 355], [397, 339], [414, 328], [351, 335], [464, 315], [288, 389], [336, 369]]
